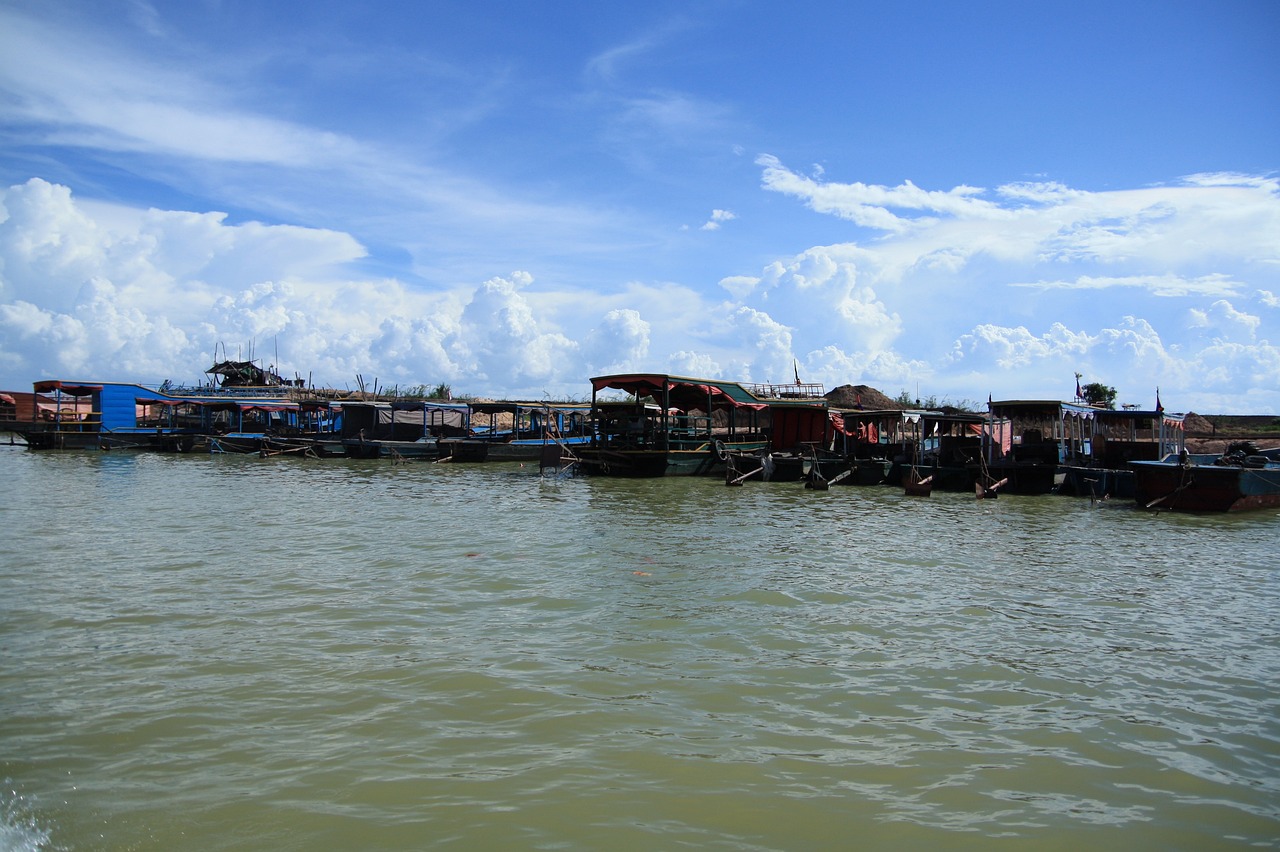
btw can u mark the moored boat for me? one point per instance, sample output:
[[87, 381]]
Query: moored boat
[[880, 444], [518, 431], [400, 429], [1242, 478], [1118, 438], [682, 426], [1029, 442]]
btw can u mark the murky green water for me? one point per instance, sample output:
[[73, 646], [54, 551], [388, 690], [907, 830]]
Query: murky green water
[[205, 653]]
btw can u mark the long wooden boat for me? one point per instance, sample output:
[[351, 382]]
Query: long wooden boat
[[1029, 442], [401, 429], [950, 446], [1240, 479], [683, 426], [881, 443], [516, 431], [1118, 438]]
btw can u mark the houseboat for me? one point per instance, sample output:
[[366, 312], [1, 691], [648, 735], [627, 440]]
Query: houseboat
[[881, 444], [519, 431], [681, 426], [1029, 442], [1116, 439], [950, 447], [408, 429]]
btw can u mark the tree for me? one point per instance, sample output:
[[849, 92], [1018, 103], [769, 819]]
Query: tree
[[1096, 393]]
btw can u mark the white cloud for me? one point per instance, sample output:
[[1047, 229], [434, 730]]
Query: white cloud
[[717, 216], [97, 290], [619, 344], [1215, 284], [1226, 323], [870, 205]]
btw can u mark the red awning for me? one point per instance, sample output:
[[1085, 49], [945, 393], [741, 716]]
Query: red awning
[[69, 389]]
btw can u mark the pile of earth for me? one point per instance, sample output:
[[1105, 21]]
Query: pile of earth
[[859, 396], [1197, 425]]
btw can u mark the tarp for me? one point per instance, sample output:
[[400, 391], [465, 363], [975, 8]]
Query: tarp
[[51, 385], [685, 392]]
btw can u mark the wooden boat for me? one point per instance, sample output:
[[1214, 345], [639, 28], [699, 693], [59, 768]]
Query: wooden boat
[[683, 426], [950, 446], [1240, 479], [1029, 441], [809, 462], [401, 429], [120, 415], [518, 431], [880, 443], [1117, 438], [917, 482]]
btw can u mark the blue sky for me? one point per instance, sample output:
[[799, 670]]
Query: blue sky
[[959, 200]]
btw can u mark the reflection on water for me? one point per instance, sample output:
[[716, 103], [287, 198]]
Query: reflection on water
[[236, 653]]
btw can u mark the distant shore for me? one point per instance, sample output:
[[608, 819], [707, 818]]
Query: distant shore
[[1213, 433]]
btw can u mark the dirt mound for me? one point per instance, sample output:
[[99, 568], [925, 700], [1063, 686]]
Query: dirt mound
[[1194, 424], [859, 396]]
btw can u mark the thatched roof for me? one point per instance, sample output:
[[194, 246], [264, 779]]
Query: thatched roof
[[859, 396]]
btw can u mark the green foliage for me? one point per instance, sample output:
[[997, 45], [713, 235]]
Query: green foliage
[[932, 403], [1096, 393]]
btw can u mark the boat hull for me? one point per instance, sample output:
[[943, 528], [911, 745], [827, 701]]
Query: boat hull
[[1028, 478], [1099, 483], [1206, 487]]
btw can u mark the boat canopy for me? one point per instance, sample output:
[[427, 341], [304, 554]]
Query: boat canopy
[[681, 391], [67, 388]]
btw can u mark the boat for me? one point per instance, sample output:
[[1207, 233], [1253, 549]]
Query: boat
[[802, 436], [917, 481], [318, 433], [881, 444], [399, 429], [1242, 478], [518, 431], [76, 415], [1029, 442], [682, 426], [1118, 438], [950, 446]]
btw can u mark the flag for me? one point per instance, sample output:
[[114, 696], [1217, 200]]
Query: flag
[[1079, 394], [1159, 407], [796, 364]]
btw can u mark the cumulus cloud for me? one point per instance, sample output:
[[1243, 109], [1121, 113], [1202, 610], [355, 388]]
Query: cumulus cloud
[[1225, 322], [938, 302], [717, 216], [500, 340], [619, 344], [148, 295]]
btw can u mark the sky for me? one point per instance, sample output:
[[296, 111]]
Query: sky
[[959, 201]]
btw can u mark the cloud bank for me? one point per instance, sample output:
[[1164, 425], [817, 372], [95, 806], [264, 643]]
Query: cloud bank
[[90, 290]]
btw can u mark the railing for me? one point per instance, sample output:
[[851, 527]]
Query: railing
[[793, 390]]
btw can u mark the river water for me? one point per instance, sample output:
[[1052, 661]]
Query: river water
[[235, 653]]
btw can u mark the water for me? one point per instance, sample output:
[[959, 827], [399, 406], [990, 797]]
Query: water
[[232, 653]]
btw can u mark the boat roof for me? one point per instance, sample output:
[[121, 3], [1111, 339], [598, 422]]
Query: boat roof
[[689, 392], [513, 406], [1040, 407]]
